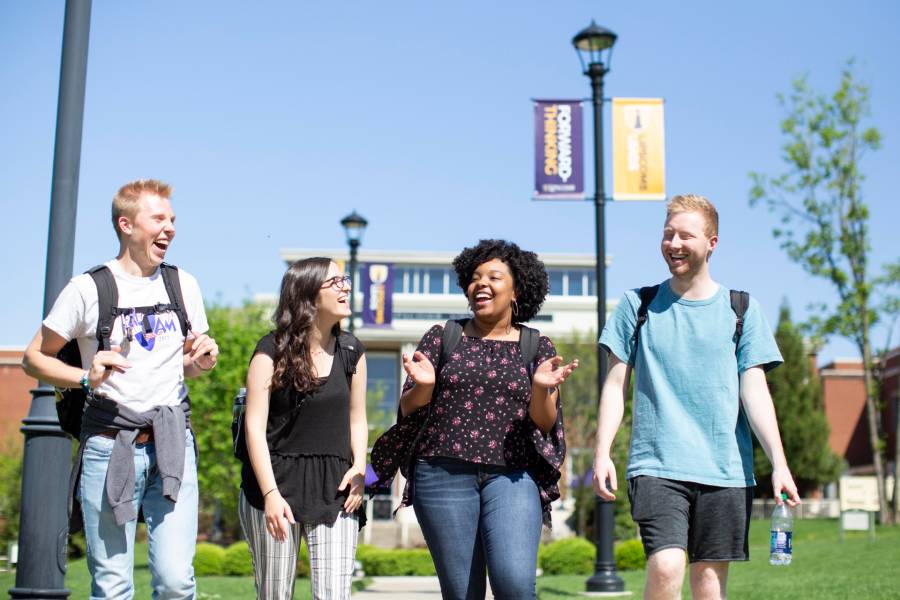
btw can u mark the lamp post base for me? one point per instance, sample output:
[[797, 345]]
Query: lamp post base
[[606, 582]]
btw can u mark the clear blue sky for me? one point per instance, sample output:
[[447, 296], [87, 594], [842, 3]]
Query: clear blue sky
[[274, 120]]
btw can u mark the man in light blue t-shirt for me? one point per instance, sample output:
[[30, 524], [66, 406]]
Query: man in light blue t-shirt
[[697, 394]]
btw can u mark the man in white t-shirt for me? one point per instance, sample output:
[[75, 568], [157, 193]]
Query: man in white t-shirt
[[137, 450]]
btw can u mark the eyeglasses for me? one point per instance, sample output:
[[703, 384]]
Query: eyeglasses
[[338, 282]]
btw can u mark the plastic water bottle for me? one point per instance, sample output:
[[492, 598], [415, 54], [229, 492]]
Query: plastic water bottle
[[780, 542]]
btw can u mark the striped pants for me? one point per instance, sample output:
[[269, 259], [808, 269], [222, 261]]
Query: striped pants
[[332, 548]]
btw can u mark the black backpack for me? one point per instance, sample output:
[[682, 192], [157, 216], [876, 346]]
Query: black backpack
[[70, 402], [346, 346], [739, 302]]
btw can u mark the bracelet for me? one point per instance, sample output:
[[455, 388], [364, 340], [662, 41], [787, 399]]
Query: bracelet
[[85, 383], [269, 492]]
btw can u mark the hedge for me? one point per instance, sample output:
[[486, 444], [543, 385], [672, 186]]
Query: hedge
[[209, 559], [570, 556], [378, 561], [237, 560], [630, 555]]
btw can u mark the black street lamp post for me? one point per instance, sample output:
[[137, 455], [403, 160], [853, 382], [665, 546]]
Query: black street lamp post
[[594, 46], [43, 524], [354, 226]]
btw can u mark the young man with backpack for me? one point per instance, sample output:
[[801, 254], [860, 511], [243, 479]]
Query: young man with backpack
[[140, 330], [699, 355]]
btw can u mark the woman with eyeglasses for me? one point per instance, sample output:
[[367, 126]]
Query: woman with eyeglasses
[[306, 433]]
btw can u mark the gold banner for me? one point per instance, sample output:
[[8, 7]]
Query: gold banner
[[639, 153]]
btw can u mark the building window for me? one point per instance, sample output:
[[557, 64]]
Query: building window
[[382, 389], [556, 282], [436, 281], [576, 283]]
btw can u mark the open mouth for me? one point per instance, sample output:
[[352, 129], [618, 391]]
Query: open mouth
[[483, 298], [161, 245]]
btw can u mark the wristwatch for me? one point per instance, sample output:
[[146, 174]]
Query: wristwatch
[[86, 383]]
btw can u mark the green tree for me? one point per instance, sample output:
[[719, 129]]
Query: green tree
[[824, 223], [236, 331], [579, 398], [797, 395]]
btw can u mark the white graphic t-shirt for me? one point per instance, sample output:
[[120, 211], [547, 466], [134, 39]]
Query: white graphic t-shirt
[[156, 376]]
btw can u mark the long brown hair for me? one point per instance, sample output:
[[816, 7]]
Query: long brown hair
[[294, 321]]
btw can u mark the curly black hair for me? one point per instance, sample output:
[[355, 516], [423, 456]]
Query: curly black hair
[[529, 275]]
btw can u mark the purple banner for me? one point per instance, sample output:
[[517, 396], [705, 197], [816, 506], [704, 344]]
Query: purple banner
[[378, 289], [558, 151]]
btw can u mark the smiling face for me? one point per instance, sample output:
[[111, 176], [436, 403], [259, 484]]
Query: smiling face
[[686, 247], [148, 234], [491, 291], [333, 300]]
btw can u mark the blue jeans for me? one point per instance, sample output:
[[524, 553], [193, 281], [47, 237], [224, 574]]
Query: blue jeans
[[171, 527], [475, 516]]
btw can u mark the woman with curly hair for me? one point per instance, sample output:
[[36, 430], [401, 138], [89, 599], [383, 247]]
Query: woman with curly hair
[[487, 461], [306, 434]]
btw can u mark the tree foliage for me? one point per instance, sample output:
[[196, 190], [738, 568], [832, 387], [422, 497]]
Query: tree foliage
[[579, 397], [824, 222], [236, 331], [797, 395]]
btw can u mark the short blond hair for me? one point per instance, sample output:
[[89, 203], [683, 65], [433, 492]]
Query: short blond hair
[[126, 201], [695, 203]]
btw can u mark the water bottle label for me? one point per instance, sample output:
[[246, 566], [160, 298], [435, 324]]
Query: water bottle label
[[780, 542]]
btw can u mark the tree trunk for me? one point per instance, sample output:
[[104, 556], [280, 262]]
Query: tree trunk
[[884, 515]]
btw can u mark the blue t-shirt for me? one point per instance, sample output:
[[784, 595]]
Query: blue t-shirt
[[687, 423]]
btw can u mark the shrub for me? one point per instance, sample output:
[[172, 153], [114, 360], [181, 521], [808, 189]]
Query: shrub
[[571, 556], [630, 555], [237, 560], [303, 560], [209, 559], [377, 561], [11, 457]]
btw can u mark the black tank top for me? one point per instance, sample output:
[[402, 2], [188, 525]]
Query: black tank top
[[309, 443]]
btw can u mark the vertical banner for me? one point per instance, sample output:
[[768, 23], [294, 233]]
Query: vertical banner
[[639, 160], [558, 151], [378, 289]]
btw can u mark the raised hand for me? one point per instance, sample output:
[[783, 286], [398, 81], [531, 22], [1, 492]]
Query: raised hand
[[419, 369], [204, 352], [552, 372], [105, 363]]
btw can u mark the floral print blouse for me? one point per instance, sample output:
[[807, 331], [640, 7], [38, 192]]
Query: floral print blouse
[[480, 410]]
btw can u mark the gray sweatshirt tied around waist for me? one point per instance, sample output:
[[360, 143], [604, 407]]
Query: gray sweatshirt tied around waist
[[168, 424]]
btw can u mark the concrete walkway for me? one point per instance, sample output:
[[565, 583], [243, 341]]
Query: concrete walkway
[[404, 588]]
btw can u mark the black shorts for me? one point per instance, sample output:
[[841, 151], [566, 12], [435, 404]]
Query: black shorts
[[710, 523]]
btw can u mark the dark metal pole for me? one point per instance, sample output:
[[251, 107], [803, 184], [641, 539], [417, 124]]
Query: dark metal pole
[[354, 245], [43, 524], [605, 578]]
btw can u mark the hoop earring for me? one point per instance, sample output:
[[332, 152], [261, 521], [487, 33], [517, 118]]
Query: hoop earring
[[515, 308]]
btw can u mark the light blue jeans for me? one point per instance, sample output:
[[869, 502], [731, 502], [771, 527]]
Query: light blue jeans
[[475, 516], [171, 527]]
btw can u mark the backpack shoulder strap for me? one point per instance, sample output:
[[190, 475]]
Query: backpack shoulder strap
[[107, 302], [647, 295], [173, 289], [740, 301], [528, 343], [450, 338], [348, 347]]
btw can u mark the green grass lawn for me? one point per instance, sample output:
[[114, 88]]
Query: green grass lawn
[[208, 588], [823, 567]]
